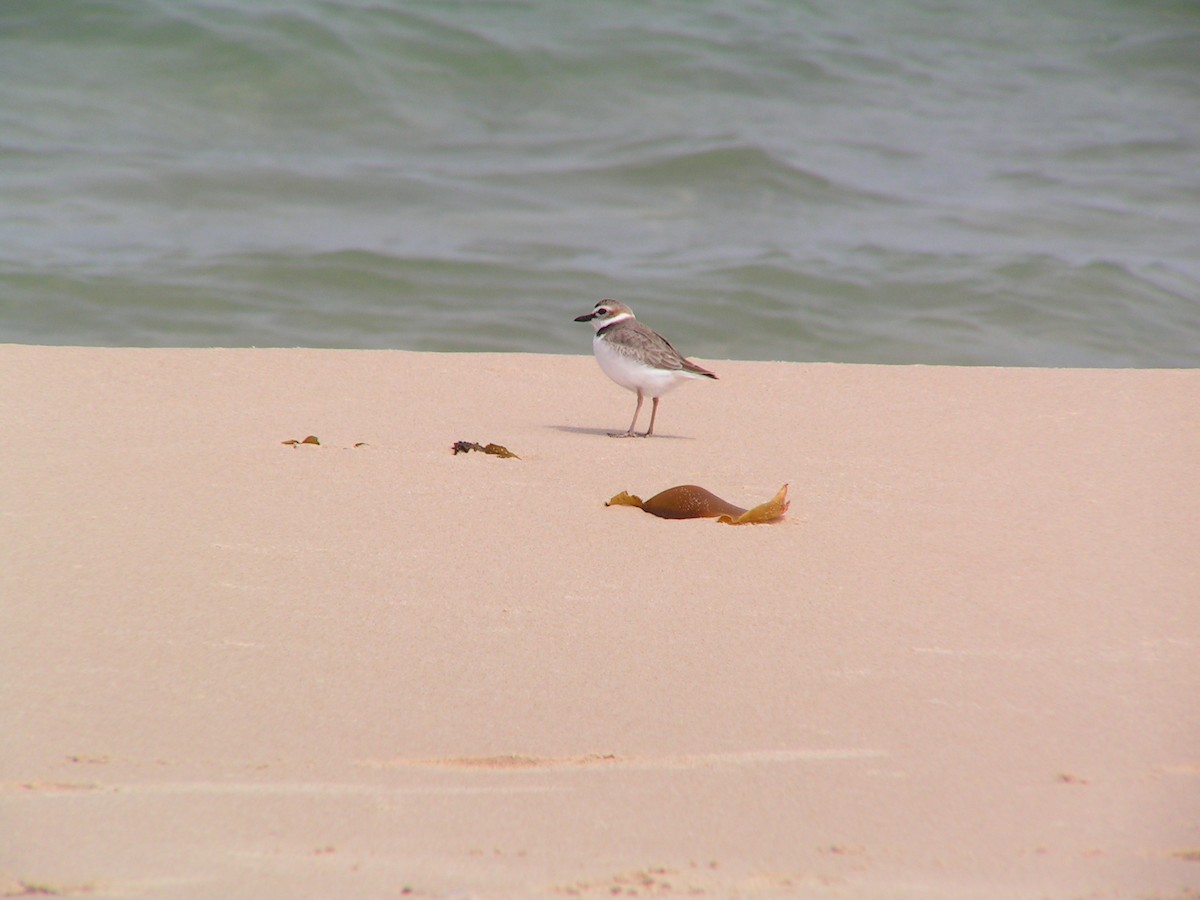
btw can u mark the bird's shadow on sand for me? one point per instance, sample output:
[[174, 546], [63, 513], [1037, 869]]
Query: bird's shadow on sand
[[604, 432]]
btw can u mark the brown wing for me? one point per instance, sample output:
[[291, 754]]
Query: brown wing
[[656, 349]]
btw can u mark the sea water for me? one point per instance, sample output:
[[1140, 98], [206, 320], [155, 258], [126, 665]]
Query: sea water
[[1007, 182]]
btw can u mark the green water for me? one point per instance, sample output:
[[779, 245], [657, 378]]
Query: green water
[[1003, 182]]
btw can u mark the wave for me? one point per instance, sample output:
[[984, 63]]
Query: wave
[[799, 181]]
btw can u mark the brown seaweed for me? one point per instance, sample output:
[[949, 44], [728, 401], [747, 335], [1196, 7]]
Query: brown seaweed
[[491, 449], [690, 501], [311, 439]]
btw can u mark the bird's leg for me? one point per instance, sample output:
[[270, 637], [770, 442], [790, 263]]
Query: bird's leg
[[636, 410], [653, 413]]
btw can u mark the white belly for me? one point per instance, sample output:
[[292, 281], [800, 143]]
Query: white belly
[[631, 374]]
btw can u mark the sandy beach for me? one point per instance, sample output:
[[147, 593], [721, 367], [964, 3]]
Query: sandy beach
[[965, 665]]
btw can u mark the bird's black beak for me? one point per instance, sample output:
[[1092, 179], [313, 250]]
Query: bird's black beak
[[586, 318]]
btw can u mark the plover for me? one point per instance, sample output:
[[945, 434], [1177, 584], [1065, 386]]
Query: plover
[[637, 358]]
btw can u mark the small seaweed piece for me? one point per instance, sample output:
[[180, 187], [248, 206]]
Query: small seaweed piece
[[33, 888], [773, 509], [498, 450], [491, 449], [690, 501], [311, 439], [625, 499]]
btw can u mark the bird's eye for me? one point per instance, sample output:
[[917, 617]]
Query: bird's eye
[[602, 311]]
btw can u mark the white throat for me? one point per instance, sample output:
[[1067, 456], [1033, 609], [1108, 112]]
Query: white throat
[[611, 320]]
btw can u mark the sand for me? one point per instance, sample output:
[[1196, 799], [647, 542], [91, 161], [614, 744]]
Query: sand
[[966, 664]]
